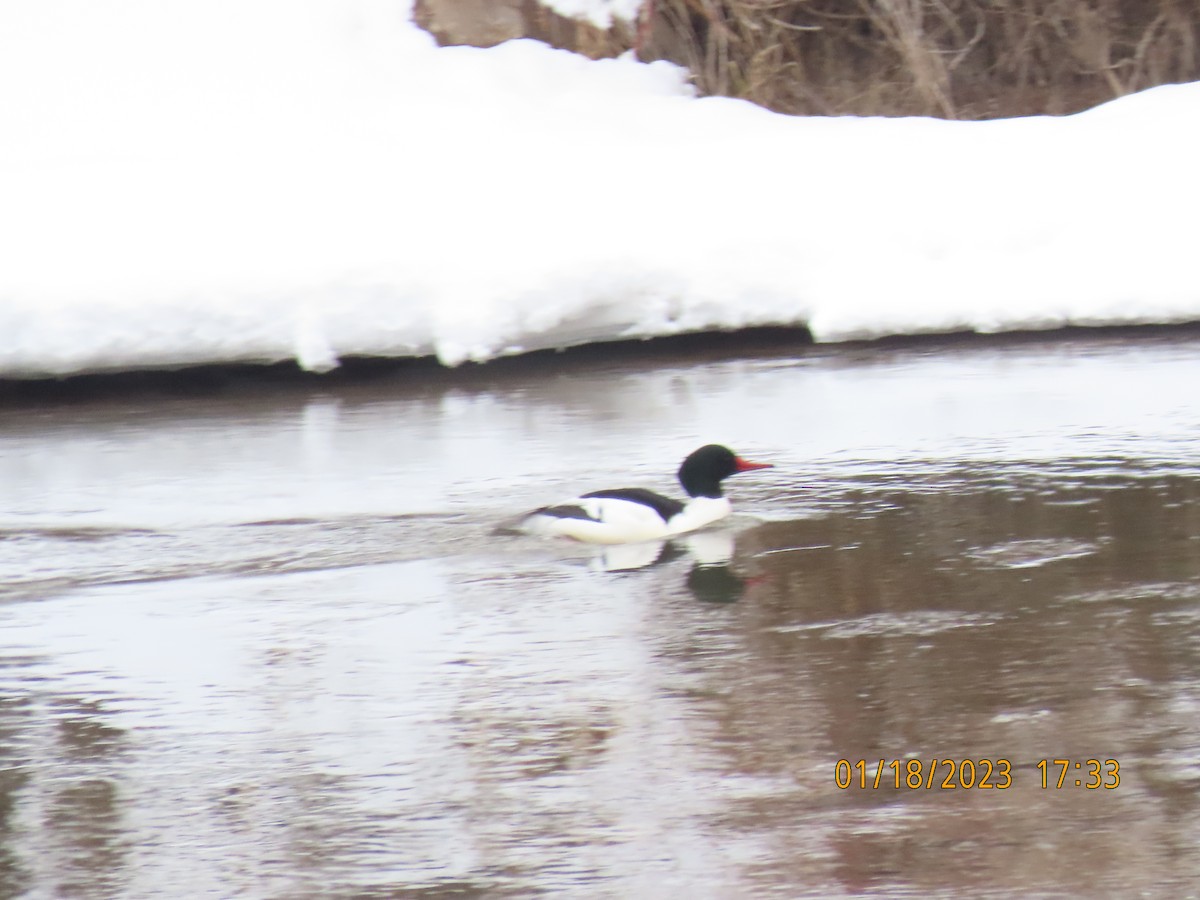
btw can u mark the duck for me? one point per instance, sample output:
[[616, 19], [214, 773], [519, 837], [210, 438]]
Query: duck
[[633, 515]]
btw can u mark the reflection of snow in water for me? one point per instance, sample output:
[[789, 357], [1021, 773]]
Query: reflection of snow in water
[[1169, 591], [919, 622], [1031, 553], [1007, 718]]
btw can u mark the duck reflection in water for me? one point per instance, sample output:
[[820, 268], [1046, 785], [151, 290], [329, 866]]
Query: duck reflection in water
[[711, 578]]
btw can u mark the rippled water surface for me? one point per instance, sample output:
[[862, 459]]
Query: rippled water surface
[[272, 642]]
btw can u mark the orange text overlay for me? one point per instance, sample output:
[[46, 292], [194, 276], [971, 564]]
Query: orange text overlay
[[931, 775], [965, 774]]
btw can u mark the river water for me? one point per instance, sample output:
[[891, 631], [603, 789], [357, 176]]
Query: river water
[[271, 642]]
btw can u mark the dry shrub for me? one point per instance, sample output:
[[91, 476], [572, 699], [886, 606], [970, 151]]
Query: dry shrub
[[950, 58]]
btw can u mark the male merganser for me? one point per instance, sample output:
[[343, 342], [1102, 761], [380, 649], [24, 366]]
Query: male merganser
[[629, 515]]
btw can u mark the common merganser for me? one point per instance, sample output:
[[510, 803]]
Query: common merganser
[[630, 515]]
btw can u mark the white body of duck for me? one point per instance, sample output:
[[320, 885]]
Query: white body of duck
[[630, 515]]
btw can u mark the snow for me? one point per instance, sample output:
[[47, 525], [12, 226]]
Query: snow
[[207, 181]]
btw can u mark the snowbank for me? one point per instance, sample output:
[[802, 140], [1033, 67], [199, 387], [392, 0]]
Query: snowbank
[[257, 180]]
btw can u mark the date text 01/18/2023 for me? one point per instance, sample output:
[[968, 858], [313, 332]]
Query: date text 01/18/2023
[[954, 774]]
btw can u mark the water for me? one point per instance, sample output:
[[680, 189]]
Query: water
[[269, 642]]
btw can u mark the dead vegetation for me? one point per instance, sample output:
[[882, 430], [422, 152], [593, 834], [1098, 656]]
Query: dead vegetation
[[951, 58]]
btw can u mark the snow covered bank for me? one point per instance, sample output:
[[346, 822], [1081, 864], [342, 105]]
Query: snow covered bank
[[197, 182]]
